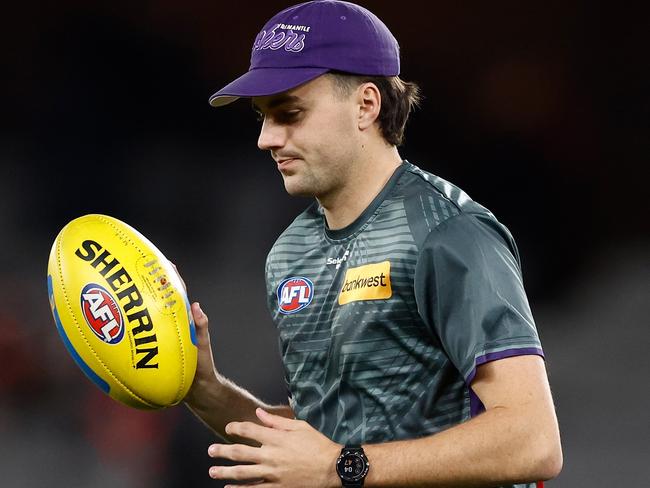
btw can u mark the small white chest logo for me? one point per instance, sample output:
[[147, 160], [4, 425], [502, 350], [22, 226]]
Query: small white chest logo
[[339, 261]]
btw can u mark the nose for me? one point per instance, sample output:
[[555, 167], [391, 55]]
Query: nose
[[272, 136]]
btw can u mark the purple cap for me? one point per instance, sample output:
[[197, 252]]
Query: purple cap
[[304, 41]]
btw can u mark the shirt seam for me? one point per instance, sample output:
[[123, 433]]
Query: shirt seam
[[412, 169]]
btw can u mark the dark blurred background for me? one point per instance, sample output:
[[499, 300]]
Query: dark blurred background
[[539, 110]]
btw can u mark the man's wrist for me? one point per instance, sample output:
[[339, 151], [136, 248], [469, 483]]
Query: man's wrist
[[332, 477], [205, 392], [374, 453]]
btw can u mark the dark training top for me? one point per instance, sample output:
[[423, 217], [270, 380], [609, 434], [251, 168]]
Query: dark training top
[[383, 323]]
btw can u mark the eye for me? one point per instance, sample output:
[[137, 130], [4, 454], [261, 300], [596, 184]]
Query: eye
[[259, 116], [289, 115]]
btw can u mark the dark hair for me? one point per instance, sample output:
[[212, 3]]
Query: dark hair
[[398, 99]]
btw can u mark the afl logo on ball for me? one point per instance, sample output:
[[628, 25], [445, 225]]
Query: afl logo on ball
[[294, 294], [102, 314]]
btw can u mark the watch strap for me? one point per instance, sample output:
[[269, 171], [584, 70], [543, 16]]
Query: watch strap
[[351, 448]]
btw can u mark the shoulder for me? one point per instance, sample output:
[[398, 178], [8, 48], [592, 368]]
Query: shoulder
[[438, 209], [420, 183], [473, 238]]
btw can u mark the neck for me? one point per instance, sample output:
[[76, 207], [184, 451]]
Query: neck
[[365, 180]]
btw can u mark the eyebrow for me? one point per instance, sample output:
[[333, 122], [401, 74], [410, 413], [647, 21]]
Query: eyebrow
[[276, 102]]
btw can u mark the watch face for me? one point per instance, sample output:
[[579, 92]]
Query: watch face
[[351, 467]]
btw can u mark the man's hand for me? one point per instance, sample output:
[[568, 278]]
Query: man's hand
[[206, 375], [212, 398], [292, 454], [205, 370]]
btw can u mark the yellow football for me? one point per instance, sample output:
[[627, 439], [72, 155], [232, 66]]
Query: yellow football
[[122, 312]]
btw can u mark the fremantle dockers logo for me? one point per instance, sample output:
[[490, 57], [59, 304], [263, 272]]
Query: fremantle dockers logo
[[290, 40]]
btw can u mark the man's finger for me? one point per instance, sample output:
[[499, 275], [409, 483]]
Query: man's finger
[[241, 472], [256, 484], [202, 330], [200, 319], [205, 365], [276, 421], [251, 431], [235, 452]]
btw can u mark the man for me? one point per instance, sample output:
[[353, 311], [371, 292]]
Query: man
[[410, 352]]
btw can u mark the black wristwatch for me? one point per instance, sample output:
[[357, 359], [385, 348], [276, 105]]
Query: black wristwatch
[[352, 466]]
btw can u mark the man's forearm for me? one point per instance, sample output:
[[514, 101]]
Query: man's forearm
[[515, 440], [492, 449], [222, 401]]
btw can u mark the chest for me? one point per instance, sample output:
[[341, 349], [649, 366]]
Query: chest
[[341, 308]]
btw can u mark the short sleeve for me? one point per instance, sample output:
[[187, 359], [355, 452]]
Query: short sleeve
[[470, 293]]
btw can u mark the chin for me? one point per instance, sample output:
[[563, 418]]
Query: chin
[[297, 188], [298, 192]]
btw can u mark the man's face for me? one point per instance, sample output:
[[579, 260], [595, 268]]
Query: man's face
[[312, 133]]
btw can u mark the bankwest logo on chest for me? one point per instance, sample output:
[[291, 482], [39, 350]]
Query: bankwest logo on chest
[[368, 282]]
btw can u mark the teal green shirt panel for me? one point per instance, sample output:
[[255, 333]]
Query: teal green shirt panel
[[470, 292]]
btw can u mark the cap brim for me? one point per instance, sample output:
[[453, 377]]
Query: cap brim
[[261, 82]]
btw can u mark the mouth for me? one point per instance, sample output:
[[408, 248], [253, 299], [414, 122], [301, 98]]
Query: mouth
[[285, 163]]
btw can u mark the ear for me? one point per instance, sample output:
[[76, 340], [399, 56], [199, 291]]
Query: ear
[[369, 100]]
